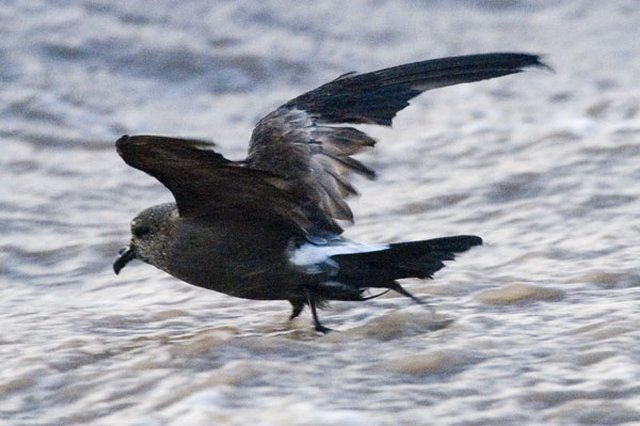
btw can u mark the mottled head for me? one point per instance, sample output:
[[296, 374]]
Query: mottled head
[[152, 233]]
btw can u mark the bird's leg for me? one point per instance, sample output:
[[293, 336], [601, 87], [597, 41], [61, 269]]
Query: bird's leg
[[311, 297], [298, 306], [395, 286]]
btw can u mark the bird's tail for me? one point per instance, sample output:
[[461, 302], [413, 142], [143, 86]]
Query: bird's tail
[[382, 268]]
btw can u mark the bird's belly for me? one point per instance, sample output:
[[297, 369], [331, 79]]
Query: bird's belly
[[236, 258], [259, 277]]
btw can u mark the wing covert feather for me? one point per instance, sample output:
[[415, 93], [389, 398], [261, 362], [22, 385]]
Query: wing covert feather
[[303, 142]]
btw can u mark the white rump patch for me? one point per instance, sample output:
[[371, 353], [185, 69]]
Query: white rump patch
[[308, 255]]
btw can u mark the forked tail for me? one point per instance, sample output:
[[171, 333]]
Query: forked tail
[[351, 274], [416, 259]]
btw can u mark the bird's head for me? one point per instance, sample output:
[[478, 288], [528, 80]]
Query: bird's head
[[151, 234]]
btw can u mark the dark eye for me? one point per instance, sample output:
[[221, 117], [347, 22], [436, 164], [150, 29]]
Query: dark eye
[[141, 231]]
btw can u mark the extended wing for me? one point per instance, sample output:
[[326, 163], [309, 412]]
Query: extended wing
[[206, 185], [301, 142]]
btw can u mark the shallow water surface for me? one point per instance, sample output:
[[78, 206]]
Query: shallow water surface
[[540, 325]]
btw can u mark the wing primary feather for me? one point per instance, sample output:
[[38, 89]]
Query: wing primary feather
[[376, 97], [205, 184], [304, 142]]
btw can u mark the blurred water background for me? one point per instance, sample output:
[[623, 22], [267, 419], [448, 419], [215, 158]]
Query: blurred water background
[[538, 326]]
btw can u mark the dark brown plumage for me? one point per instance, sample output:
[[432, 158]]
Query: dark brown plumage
[[266, 227]]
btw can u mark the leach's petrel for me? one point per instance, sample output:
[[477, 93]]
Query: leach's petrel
[[266, 228]]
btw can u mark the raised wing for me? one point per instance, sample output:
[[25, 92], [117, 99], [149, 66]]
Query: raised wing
[[205, 184], [301, 142]]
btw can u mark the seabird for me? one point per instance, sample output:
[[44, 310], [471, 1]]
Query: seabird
[[267, 227]]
